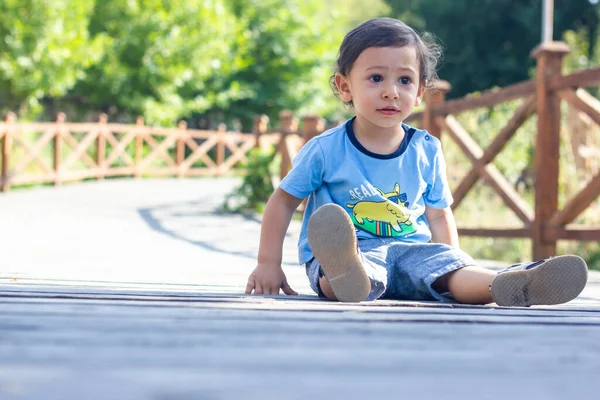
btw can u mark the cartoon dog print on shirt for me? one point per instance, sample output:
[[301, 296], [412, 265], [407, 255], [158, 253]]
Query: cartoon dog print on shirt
[[382, 218]]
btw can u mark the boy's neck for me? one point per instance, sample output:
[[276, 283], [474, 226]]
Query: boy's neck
[[376, 139]]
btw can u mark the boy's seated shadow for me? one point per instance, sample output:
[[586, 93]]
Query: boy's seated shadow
[[203, 223]]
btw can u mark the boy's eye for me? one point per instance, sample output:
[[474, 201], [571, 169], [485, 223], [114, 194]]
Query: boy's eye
[[376, 78], [405, 80]]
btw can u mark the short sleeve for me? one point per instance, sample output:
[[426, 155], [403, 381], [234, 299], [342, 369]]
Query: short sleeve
[[438, 194], [307, 171]]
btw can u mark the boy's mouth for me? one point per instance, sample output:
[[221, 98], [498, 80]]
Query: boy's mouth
[[388, 110]]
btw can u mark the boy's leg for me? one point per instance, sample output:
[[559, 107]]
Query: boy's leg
[[469, 285], [552, 281], [333, 242]]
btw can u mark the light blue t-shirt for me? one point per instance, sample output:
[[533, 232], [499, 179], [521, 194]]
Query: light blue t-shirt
[[385, 195]]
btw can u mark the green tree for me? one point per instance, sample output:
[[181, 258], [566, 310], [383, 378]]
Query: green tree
[[487, 42], [159, 57], [44, 49], [286, 53]]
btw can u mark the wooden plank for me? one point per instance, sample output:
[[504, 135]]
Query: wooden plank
[[464, 186], [158, 150], [578, 203], [496, 232], [180, 152], [79, 150], [238, 155], [434, 97], [4, 154], [580, 233], [293, 144], [526, 110], [583, 101], [32, 179], [417, 116], [286, 162], [200, 134], [32, 153], [507, 132], [461, 137], [58, 147], [221, 148], [547, 146], [486, 99], [119, 148], [585, 78], [119, 171], [510, 196], [201, 171], [70, 176], [165, 171], [489, 172], [199, 152]]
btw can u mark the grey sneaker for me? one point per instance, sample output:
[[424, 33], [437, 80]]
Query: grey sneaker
[[333, 242], [554, 280]]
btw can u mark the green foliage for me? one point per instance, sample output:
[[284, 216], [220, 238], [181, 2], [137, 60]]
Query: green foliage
[[202, 60], [158, 57], [256, 187], [44, 48], [286, 52], [488, 42]]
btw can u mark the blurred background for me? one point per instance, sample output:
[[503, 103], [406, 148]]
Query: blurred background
[[214, 61], [209, 62]]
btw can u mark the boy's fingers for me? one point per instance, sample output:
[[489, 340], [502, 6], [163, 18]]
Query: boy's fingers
[[258, 289], [249, 285], [288, 290]]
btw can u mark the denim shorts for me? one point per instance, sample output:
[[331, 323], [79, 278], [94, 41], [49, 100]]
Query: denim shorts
[[402, 271]]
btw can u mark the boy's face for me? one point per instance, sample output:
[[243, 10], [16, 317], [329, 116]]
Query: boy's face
[[383, 85]]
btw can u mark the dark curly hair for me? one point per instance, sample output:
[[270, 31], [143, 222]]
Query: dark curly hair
[[388, 32]]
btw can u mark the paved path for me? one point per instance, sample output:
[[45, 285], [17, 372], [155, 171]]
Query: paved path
[[133, 289]]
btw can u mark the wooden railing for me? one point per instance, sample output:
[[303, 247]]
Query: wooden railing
[[57, 152], [545, 223], [104, 149]]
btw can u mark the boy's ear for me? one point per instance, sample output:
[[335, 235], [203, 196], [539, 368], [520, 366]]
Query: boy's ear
[[420, 94], [343, 86]]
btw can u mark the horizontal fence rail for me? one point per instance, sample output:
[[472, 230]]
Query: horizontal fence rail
[[58, 152]]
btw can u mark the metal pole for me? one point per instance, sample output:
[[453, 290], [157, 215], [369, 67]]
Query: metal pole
[[547, 20]]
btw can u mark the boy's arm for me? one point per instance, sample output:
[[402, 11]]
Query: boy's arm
[[442, 225], [268, 276]]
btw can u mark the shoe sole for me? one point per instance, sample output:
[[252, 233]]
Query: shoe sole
[[333, 242], [556, 281]]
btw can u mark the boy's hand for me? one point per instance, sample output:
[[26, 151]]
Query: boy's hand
[[268, 279]]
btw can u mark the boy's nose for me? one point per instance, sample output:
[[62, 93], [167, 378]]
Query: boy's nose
[[390, 94]]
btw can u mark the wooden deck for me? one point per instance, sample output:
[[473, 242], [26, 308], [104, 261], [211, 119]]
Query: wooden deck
[[134, 290]]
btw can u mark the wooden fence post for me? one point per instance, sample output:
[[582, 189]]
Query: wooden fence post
[[434, 96], [221, 131], [60, 121], [6, 145], [260, 127], [101, 145], [139, 145], [549, 58], [288, 124], [312, 126], [180, 156]]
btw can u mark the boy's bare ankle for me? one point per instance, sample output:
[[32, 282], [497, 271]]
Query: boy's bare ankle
[[326, 289]]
